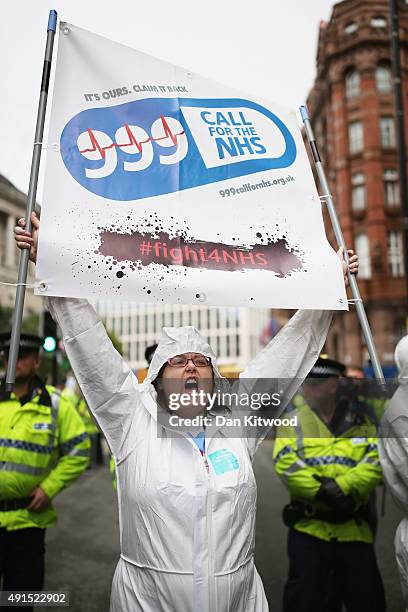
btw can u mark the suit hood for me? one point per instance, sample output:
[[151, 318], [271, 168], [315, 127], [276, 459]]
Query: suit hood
[[176, 341]]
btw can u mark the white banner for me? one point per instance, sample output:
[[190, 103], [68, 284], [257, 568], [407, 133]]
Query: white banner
[[162, 186]]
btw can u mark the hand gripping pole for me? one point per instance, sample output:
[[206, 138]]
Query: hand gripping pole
[[340, 241]]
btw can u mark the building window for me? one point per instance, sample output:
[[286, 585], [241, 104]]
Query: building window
[[383, 78], [387, 131], [352, 84], [379, 22], [358, 191], [3, 237], [395, 254], [363, 251], [356, 140], [391, 188], [350, 27]]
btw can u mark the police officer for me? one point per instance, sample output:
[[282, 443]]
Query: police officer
[[75, 396], [329, 464], [43, 449]]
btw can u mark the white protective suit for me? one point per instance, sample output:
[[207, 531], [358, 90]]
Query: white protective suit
[[393, 449], [186, 532]]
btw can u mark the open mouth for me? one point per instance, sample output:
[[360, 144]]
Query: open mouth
[[190, 384]]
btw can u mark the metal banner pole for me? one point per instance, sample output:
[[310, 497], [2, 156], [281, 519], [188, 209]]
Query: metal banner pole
[[340, 241], [31, 197]]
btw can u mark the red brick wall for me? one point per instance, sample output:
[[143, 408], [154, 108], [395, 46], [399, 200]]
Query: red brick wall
[[331, 114]]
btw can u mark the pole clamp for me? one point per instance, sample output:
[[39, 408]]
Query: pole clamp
[[323, 198], [54, 146]]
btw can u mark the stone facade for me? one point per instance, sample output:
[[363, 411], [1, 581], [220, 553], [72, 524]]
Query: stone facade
[[12, 207]]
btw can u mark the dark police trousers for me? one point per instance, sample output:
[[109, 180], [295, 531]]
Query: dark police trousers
[[22, 561], [317, 566]]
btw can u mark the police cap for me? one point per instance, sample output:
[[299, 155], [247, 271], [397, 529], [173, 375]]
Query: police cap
[[325, 367], [29, 343]]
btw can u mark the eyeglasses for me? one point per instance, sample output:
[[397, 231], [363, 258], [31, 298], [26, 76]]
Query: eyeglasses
[[180, 361]]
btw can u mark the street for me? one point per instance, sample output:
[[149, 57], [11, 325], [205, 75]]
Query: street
[[82, 550]]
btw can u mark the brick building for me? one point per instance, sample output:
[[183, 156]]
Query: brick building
[[353, 116]]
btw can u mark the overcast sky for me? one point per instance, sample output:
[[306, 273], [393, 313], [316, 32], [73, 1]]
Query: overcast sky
[[263, 47]]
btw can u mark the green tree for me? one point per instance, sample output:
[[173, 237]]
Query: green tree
[[117, 343], [5, 318], [30, 323]]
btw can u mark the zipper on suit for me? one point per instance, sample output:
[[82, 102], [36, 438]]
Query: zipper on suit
[[211, 586], [207, 467], [212, 604]]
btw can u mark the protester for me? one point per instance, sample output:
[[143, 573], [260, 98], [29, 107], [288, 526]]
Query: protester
[[393, 446], [187, 504], [329, 464], [43, 449]]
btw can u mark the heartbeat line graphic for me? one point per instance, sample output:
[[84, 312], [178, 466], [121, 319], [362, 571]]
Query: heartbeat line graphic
[[132, 140]]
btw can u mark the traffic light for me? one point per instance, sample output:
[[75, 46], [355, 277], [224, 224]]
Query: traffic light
[[49, 333]]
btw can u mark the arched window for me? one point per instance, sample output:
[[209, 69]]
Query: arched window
[[378, 21], [362, 244], [352, 84], [350, 27], [383, 78]]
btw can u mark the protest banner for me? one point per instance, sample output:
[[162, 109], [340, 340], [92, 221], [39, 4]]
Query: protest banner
[[163, 186]]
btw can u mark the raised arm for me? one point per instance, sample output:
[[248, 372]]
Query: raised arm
[[292, 353], [290, 356], [108, 384], [294, 350], [283, 364]]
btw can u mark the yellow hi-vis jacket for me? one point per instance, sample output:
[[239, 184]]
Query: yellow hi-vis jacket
[[82, 409], [351, 459], [87, 418], [42, 442], [112, 469]]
